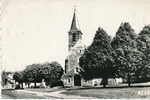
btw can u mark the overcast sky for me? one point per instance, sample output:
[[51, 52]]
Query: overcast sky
[[35, 31]]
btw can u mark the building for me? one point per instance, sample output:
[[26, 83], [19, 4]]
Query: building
[[75, 51]]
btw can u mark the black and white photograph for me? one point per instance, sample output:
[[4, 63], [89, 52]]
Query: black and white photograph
[[75, 49]]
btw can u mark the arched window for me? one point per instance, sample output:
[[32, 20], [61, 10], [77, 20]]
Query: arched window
[[74, 37], [66, 65], [77, 69], [80, 51], [69, 80]]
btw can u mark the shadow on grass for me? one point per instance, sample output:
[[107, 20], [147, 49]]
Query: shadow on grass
[[109, 87]]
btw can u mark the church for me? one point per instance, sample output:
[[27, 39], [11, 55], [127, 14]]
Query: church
[[76, 49]]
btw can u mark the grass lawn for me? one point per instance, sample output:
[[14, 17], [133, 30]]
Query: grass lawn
[[111, 93], [12, 94], [140, 90], [44, 89]]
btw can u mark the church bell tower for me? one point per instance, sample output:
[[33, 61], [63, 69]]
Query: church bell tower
[[75, 33]]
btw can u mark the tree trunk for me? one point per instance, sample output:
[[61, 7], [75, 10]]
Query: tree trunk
[[129, 80], [129, 84], [22, 85], [28, 85], [104, 82], [104, 85], [35, 84]]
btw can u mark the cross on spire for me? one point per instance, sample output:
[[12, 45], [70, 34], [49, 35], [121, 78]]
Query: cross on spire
[[75, 8]]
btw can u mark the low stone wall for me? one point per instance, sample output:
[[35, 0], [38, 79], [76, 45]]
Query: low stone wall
[[97, 82]]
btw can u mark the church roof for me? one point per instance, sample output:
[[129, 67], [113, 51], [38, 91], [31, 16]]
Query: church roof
[[74, 22]]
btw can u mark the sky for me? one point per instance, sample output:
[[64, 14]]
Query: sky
[[36, 31]]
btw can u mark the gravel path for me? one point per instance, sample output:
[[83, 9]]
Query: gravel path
[[56, 94]]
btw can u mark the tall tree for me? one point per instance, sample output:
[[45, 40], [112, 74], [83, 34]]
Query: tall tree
[[32, 73], [97, 62], [143, 45], [52, 72], [19, 77], [127, 58]]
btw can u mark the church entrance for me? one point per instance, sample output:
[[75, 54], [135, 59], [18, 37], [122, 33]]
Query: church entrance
[[77, 80]]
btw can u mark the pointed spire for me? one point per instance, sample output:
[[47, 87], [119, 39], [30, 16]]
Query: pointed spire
[[74, 24]]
